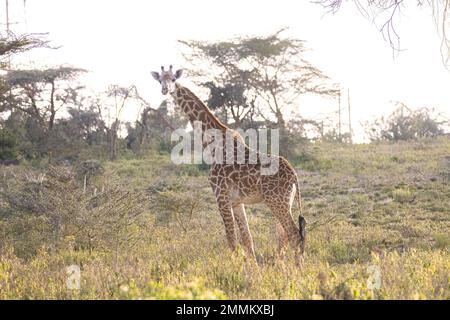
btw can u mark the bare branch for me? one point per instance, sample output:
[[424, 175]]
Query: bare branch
[[388, 10]]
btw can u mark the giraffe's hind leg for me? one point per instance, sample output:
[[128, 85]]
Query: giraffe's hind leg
[[282, 238], [246, 237], [283, 214]]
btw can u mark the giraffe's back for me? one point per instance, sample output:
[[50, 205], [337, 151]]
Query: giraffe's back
[[248, 185]]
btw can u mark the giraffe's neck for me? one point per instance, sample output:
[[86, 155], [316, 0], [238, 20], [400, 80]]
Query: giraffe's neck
[[196, 110]]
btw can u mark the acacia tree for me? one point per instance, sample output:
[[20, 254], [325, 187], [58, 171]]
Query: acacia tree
[[270, 72], [228, 84], [11, 45], [232, 97], [42, 93], [257, 76]]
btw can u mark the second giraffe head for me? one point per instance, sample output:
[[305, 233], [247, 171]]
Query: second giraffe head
[[167, 78]]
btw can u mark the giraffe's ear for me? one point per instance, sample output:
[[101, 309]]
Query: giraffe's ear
[[155, 75], [178, 73]]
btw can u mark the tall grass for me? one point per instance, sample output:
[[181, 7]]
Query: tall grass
[[388, 238]]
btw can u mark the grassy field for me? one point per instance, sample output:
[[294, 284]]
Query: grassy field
[[379, 217]]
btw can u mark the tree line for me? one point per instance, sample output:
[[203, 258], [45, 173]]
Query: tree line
[[249, 82]]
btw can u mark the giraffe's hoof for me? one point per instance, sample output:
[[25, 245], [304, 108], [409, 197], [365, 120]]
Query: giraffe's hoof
[[299, 260]]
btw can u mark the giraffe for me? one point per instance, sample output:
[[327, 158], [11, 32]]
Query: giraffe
[[238, 184]]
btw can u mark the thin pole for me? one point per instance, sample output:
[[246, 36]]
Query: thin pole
[[339, 115], [321, 131], [7, 16], [349, 116]]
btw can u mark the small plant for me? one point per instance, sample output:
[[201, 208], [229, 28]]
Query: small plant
[[88, 169], [403, 195], [442, 240], [176, 203]]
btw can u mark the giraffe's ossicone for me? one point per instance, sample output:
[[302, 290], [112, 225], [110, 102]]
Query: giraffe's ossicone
[[238, 183]]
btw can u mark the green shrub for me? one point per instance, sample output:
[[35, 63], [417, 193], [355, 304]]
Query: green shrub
[[89, 168], [43, 209], [8, 145], [405, 124], [176, 203], [442, 240], [403, 195]]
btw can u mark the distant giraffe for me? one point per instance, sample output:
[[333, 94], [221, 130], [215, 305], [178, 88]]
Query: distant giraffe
[[236, 184]]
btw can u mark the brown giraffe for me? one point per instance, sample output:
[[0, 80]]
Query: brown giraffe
[[237, 184]]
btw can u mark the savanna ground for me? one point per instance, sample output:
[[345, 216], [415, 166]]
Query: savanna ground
[[149, 229]]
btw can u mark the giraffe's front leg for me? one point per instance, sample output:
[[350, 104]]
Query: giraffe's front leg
[[228, 221], [244, 230]]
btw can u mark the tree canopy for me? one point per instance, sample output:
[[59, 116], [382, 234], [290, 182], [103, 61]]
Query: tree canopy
[[11, 44], [42, 93], [255, 75]]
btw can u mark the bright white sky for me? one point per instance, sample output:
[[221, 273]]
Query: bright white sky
[[121, 41]]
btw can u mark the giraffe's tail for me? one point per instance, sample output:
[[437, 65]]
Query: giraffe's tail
[[298, 197], [301, 219]]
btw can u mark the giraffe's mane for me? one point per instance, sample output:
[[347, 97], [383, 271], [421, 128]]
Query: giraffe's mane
[[204, 106]]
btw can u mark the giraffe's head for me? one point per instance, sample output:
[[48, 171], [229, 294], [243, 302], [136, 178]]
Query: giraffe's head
[[167, 78]]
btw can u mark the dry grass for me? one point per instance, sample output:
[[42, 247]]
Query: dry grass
[[391, 202]]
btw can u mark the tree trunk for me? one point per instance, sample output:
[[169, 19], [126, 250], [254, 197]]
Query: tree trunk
[[283, 147], [51, 121], [113, 140]]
